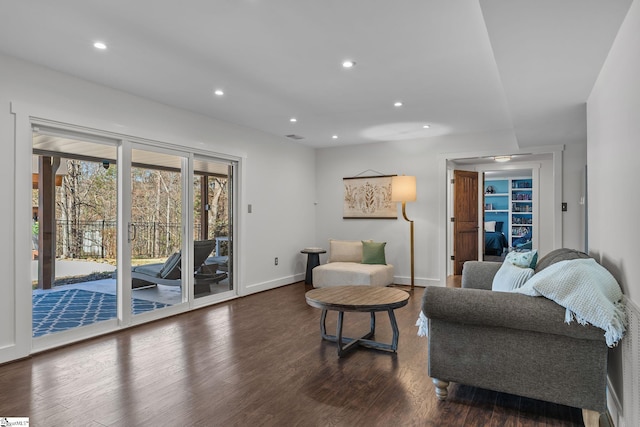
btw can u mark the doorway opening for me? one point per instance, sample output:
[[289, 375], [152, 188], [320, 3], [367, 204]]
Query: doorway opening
[[546, 173], [509, 204]]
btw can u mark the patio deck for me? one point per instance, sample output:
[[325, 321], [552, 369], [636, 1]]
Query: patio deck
[[161, 294], [78, 268]]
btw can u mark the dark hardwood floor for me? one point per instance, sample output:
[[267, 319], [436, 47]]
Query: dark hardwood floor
[[254, 361]]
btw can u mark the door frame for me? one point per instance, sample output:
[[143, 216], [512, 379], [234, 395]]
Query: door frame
[[25, 117], [445, 167]]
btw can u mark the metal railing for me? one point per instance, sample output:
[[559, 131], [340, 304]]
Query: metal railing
[[97, 239]]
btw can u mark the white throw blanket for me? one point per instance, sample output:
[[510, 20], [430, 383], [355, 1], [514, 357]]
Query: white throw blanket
[[423, 324], [587, 290]]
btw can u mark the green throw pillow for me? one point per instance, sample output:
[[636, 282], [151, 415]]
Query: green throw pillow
[[373, 252]]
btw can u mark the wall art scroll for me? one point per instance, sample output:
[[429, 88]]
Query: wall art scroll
[[369, 197]]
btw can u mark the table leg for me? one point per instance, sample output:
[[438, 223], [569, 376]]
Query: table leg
[[394, 328], [323, 326], [351, 343], [345, 343], [365, 342], [339, 332], [372, 324], [313, 260]]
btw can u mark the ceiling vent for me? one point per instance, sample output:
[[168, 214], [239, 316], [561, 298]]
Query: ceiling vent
[[294, 136]]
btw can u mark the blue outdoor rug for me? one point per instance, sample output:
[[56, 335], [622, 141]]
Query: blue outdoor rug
[[61, 310]]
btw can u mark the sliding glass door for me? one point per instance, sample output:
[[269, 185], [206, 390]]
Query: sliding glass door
[[155, 231], [213, 222], [124, 232], [74, 251]]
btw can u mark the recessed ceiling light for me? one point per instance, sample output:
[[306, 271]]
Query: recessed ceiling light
[[293, 120], [100, 45], [397, 104], [348, 64], [426, 126], [218, 92], [335, 137]]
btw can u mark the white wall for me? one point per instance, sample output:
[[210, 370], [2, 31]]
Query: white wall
[[573, 193], [420, 158], [334, 164], [278, 178], [613, 150], [613, 113]]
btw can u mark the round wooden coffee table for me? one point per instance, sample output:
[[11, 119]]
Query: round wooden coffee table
[[358, 298]]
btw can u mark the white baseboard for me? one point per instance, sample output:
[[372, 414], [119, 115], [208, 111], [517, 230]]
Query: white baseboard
[[421, 282], [272, 284], [614, 407]]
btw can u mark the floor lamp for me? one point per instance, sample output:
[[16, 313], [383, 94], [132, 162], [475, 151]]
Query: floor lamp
[[403, 189]]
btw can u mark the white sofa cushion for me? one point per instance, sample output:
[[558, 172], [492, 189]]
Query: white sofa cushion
[[510, 277], [352, 273], [345, 251]]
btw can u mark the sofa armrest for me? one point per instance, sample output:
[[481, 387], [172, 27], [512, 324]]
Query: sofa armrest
[[479, 274], [503, 310]]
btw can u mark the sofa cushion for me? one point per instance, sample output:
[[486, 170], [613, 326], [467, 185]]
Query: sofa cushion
[[351, 273], [510, 277], [526, 259], [562, 254], [479, 274], [373, 252], [345, 251]]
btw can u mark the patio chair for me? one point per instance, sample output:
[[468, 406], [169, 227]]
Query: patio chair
[[169, 273], [222, 262]]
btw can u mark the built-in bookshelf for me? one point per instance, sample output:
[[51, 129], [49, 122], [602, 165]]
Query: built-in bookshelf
[[510, 201]]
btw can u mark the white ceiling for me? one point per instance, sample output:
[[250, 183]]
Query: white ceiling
[[458, 65]]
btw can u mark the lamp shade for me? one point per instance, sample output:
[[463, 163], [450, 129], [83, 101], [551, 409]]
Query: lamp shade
[[403, 188]]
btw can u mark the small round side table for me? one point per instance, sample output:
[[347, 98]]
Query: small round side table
[[313, 260]]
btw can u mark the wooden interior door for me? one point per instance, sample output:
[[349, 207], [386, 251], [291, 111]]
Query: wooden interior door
[[465, 214]]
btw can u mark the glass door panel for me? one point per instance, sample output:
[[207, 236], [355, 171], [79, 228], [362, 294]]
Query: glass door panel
[[156, 230], [212, 220], [74, 250]]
